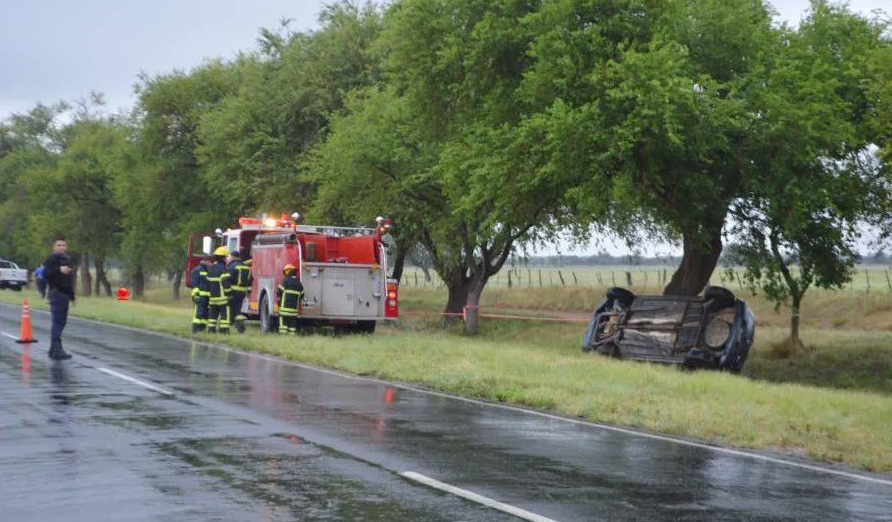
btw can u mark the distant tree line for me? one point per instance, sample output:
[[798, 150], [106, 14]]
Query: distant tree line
[[486, 129]]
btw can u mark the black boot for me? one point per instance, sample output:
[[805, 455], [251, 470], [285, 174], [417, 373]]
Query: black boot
[[57, 352]]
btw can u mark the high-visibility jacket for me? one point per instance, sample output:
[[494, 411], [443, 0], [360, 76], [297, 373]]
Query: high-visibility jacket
[[219, 284], [199, 282], [240, 275], [290, 294]]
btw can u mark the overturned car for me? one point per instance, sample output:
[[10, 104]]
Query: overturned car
[[713, 331]]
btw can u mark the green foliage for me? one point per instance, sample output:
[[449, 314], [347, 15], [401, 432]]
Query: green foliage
[[253, 144], [818, 179]]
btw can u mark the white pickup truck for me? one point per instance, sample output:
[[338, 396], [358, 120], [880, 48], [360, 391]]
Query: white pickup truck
[[11, 276]]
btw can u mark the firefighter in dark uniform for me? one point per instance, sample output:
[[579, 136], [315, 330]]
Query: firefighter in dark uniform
[[199, 283], [290, 293], [219, 290], [58, 272], [240, 275]]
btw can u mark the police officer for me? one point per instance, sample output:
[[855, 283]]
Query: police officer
[[58, 273], [199, 283], [219, 290], [240, 275], [290, 293]]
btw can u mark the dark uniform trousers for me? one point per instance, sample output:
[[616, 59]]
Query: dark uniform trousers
[[238, 297], [59, 302]]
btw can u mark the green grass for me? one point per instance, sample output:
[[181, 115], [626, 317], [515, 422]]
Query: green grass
[[541, 366]]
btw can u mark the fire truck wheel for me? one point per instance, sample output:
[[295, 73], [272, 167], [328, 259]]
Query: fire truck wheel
[[365, 327], [267, 323]]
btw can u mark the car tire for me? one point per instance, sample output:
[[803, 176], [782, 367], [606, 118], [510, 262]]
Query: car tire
[[625, 297], [721, 296]]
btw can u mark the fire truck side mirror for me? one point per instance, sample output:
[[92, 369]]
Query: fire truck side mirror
[[207, 244]]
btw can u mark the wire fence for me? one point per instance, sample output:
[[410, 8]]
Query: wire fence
[[867, 279]]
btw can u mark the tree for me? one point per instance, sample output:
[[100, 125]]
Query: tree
[[253, 144], [442, 144], [173, 198], [29, 144], [819, 179], [656, 105]]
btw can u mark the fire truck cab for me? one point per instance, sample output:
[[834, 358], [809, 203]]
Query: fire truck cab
[[343, 270]]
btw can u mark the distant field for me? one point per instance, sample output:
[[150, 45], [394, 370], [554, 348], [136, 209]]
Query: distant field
[[872, 278]]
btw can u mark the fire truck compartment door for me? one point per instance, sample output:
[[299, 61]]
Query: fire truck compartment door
[[338, 298]]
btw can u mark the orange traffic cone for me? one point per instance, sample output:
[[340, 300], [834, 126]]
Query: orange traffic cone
[[26, 336]]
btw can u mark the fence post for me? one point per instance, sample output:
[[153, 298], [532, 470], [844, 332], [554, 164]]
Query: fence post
[[562, 278], [629, 278], [613, 276], [867, 276], [509, 279], [575, 281], [550, 278], [888, 281], [529, 278], [601, 281], [540, 278]]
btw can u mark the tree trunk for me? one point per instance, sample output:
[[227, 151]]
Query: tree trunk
[[102, 277], [795, 342], [427, 274], [138, 282], [458, 289], [177, 281], [472, 319], [398, 263], [86, 280], [697, 264]]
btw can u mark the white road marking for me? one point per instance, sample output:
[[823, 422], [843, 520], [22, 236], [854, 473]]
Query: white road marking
[[14, 338], [134, 380], [480, 499], [606, 427]]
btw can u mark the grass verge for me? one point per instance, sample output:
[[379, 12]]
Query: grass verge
[[848, 427]]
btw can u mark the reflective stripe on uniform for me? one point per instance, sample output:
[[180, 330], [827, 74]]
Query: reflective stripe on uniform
[[287, 310]]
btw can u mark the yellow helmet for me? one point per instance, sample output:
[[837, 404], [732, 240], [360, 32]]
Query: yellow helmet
[[288, 268], [221, 251]]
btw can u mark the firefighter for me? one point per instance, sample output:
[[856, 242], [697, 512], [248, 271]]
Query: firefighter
[[199, 283], [219, 292], [240, 275], [290, 294]]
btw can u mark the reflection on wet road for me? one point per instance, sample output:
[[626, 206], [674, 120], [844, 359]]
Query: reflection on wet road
[[231, 436]]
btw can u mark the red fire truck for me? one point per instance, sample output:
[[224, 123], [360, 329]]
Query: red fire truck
[[343, 270]]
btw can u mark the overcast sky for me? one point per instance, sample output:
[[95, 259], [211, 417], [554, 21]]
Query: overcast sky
[[53, 50]]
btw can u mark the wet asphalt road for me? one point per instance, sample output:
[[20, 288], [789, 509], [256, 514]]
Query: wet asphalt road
[[239, 437]]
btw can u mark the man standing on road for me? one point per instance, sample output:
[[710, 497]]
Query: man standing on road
[[58, 272]]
